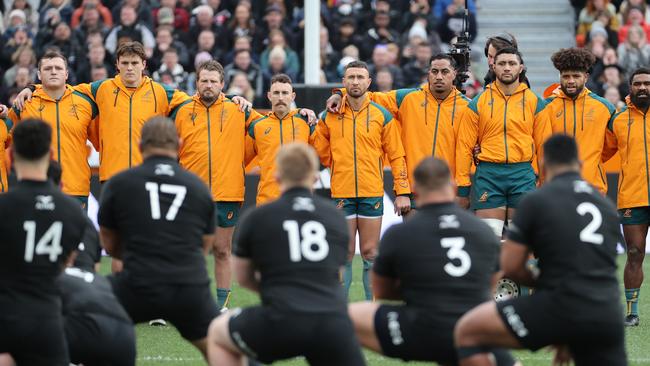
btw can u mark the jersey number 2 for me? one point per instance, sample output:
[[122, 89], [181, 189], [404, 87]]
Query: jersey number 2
[[313, 246], [455, 246], [49, 243], [589, 234], [179, 193]]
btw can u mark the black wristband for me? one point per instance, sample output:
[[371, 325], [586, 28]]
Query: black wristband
[[31, 87]]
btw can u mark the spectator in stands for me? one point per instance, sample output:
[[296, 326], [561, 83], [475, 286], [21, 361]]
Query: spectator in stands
[[170, 65], [241, 24], [634, 16], [23, 57], [593, 10], [598, 39], [17, 19], [128, 24], [349, 54], [68, 46], [96, 57], [239, 85], [451, 23], [419, 10], [202, 21], [613, 96], [180, 16], [346, 34], [241, 43], [243, 63], [612, 77], [634, 53], [380, 60], [98, 73], [273, 20], [384, 80], [104, 13], [221, 12], [329, 56], [277, 64], [22, 80], [625, 5], [604, 58], [31, 14], [164, 41], [291, 64], [200, 58], [443, 6], [415, 72], [19, 38], [90, 21], [144, 15], [380, 33]]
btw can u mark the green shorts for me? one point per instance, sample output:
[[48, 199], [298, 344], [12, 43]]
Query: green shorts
[[364, 207], [498, 185], [227, 213], [635, 215]]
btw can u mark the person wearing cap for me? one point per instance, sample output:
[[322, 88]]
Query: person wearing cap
[[129, 22], [173, 15], [204, 21], [576, 111]]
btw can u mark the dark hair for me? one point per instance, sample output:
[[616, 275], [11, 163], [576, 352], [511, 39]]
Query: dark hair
[[639, 71], [500, 41], [509, 51], [443, 56], [54, 172], [237, 52], [432, 174], [31, 139], [356, 65], [131, 49], [573, 59], [560, 149], [50, 54], [159, 132], [210, 65], [280, 78]]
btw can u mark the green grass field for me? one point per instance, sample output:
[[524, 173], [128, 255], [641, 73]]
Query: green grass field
[[164, 346]]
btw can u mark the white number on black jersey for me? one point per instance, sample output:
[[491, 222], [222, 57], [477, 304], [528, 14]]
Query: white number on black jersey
[[313, 245], [455, 246], [179, 193], [589, 234], [49, 243]]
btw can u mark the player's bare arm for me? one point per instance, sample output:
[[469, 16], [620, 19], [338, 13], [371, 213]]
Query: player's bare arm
[[514, 257], [246, 274], [110, 241], [385, 288]]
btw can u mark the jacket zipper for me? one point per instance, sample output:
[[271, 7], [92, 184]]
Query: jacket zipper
[[435, 132], [505, 130], [58, 133], [207, 110], [281, 133], [354, 147], [130, 124], [645, 146], [575, 118]]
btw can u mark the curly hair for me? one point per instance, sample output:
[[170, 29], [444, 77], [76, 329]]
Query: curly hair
[[573, 59]]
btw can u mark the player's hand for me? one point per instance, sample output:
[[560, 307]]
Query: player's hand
[[562, 355], [24, 96], [244, 105], [3, 111], [463, 202], [475, 151], [402, 205], [333, 103], [311, 116]]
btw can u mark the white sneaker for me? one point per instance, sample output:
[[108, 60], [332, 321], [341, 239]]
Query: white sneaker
[[158, 323], [223, 310]]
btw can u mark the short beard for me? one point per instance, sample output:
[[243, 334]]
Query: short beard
[[640, 103], [509, 82], [357, 95], [570, 95], [209, 100]]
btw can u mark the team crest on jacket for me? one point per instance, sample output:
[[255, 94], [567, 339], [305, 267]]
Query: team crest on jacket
[[483, 197], [559, 113], [590, 114], [340, 204], [147, 97], [627, 214], [267, 131], [73, 111]]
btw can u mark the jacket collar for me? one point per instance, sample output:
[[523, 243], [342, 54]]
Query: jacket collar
[[345, 106], [520, 89], [630, 105], [40, 93], [291, 113], [220, 99], [558, 93], [117, 80]]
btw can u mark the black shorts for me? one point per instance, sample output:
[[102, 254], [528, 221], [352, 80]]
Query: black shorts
[[413, 334], [99, 340], [268, 335], [34, 340], [539, 320], [190, 308]]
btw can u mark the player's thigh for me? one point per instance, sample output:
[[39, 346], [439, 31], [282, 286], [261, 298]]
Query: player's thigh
[[635, 223], [267, 335], [227, 213], [410, 334], [331, 340], [139, 302], [489, 188], [369, 233], [191, 309], [100, 340], [39, 341], [6, 360], [534, 321], [521, 180]]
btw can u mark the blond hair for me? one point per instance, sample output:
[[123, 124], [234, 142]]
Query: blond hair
[[297, 163]]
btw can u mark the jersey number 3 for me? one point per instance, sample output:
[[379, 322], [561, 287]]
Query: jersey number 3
[[179, 193], [455, 246], [306, 241]]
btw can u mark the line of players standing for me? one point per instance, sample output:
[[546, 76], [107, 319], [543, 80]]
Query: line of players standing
[[354, 151]]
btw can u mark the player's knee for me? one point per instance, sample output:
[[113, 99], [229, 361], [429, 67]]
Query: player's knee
[[222, 254], [218, 327], [464, 332], [635, 255], [368, 254]]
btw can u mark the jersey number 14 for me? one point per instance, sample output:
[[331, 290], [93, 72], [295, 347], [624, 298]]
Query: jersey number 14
[[49, 243]]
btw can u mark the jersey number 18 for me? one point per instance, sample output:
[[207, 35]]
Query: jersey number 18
[[306, 241]]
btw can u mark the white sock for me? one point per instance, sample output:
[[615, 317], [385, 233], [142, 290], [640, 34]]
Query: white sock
[[496, 225]]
